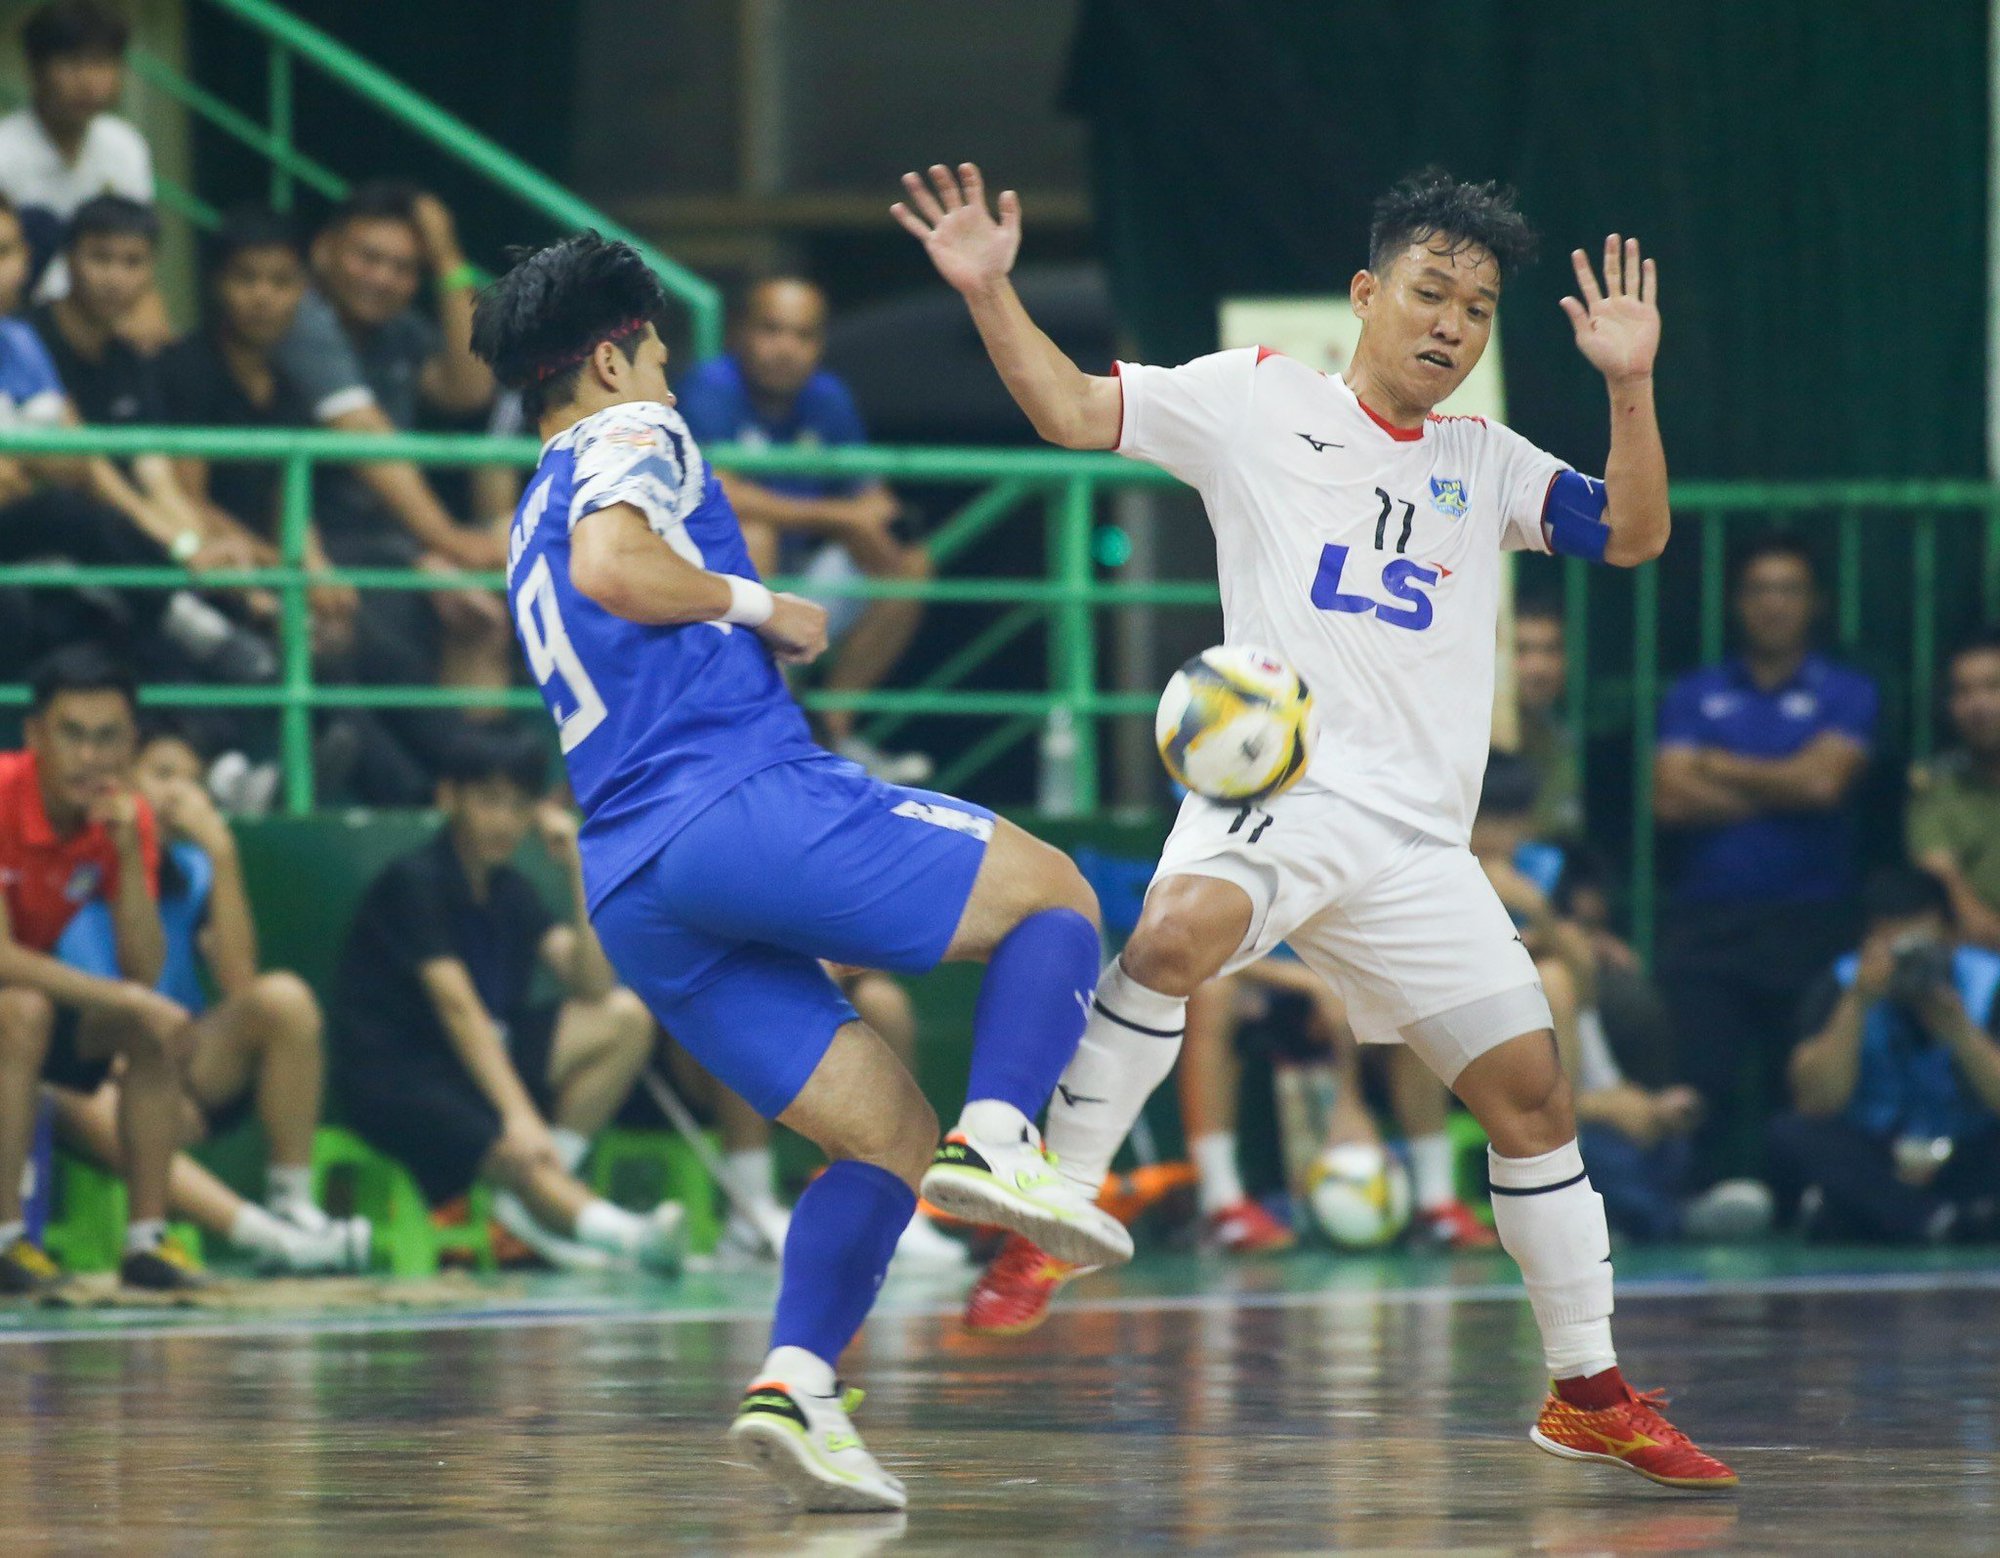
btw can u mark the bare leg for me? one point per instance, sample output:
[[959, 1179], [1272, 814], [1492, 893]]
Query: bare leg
[[151, 1105], [862, 1103], [267, 1036], [27, 1019], [552, 1195], [600, 1048], [884, 1005], [1210, 1073], [877, 640], [90, 1125]]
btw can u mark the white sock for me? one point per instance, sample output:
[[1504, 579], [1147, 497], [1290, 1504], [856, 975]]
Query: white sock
[[1219, 1185], [1129, 1045], [288, 1192], [992, 1120], [253, 1228], [1431, 1182], [144, 1234], [571, 1146], [749, 1174], [801, 1370], [9, 1232], [603, 1226], [1552, 1223]]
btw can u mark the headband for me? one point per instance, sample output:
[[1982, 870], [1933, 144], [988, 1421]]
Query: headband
[[549, 370]]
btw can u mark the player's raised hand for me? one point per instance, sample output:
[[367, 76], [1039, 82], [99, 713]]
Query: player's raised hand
[[1618, 325], [970, 249], [795, 630]]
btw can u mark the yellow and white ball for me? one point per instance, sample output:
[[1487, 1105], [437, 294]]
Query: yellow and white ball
[[1360, 1195], [1235, 724]]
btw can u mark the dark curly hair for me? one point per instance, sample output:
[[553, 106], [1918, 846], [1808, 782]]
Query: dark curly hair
[[1432, 204], [536, 325]]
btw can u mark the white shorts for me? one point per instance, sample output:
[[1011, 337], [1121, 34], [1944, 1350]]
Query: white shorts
[[830, 563], [1404, 927]]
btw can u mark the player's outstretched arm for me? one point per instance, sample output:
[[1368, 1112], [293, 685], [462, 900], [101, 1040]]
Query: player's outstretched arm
[[974, 252], [1618, 331], [617, 560]]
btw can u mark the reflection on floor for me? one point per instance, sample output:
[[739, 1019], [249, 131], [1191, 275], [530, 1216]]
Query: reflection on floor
[[1311, 1404]]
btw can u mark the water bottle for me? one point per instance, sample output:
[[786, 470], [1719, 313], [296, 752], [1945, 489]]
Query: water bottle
[[1056, 795]]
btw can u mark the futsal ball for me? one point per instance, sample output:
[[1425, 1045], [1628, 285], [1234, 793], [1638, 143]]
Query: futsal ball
[[1360, 1195], [1235, 724]]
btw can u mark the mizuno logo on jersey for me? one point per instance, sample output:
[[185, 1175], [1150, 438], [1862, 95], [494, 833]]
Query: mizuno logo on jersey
[[1321, 445], [1449, 496]]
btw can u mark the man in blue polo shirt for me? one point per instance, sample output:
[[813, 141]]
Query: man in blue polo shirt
[[769, 391], [1757, 764]]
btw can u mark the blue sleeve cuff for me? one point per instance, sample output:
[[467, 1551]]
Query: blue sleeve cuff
[[1573, 517]]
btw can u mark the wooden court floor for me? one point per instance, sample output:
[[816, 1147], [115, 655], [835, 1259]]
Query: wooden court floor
[[1186, 1406]]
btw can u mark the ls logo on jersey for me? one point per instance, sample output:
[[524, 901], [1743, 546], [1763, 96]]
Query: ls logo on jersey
[[1405, 581], [1449, 496]]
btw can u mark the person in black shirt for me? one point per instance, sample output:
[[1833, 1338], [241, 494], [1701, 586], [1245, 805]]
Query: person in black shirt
[[442, 1057], [225, 375]]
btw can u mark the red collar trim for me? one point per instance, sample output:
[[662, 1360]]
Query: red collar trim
[[1402, 435]]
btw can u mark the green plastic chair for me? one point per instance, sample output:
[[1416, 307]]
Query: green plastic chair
[[639, 1168], [1468, 1158], [407, 1243], [86, 1231]]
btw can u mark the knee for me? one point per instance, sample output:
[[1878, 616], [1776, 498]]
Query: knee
[[1052, 882], [285, 1008], [1171, 955], [901, 1139], [630, 1025], [27, 1018]]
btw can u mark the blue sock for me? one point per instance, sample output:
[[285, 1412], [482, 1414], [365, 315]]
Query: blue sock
[[844, 1229], [1032, 1008]]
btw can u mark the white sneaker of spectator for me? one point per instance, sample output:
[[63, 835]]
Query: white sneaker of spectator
[[1731, 1211], [926, 1247], [757, 1234], [889, 767]]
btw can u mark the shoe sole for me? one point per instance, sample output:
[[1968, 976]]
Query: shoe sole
[[976, 1197], [1542, 1441], [782, 1455]]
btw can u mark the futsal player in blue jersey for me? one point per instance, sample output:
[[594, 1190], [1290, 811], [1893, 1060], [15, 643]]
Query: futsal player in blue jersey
[[725, 854]]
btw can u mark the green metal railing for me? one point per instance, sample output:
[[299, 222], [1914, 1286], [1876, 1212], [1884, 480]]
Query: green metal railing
[[1911, 564], [290, 41]]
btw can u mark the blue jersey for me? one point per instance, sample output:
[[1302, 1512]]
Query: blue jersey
[[90, 940], [656, 723], [719, 408]]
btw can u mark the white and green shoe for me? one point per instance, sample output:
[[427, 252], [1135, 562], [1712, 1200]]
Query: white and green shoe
[[805, 1441], [1006, 1178]]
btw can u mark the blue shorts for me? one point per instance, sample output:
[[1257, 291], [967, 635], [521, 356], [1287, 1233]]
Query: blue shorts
[[722, 932]]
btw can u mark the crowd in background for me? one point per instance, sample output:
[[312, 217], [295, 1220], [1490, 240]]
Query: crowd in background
[[1813, 1050]]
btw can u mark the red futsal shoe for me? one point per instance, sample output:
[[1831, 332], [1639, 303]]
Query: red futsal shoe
[[1452, 1225], [1247, 1229], [1012, 1295], [1631, 1433]]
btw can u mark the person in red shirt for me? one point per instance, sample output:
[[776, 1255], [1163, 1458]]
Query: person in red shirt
[[72, 829]]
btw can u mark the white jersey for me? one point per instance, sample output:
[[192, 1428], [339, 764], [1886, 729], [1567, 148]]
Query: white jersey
[[1367, 556]]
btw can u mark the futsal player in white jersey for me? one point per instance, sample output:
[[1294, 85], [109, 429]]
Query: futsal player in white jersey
[[1359, 536]]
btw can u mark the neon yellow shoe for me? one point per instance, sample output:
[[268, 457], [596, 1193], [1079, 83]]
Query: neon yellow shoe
[[25, 1269], [1012, 1183], [804, 1440]]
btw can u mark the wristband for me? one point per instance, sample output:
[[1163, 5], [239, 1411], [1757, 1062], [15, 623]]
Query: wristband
[[463, 274], [750, 604], [185, 546]]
